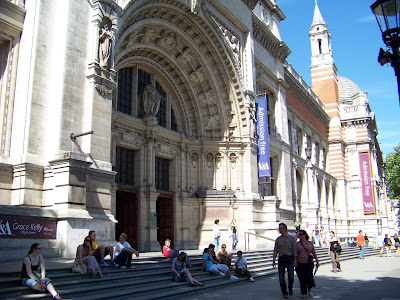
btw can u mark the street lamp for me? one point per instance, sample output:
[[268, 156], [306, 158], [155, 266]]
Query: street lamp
[[387, 13]]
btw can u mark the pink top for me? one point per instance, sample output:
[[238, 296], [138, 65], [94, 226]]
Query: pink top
[[304, 252], [166, 252]]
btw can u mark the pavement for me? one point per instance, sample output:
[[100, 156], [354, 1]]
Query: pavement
[[372, 278]]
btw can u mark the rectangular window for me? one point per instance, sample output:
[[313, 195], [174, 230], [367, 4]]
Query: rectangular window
[[124, 166], [124, 103], [162, 174], [144, 79]]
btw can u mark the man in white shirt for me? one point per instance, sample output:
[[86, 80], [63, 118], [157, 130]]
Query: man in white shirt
[[241, 266], [123, 253]]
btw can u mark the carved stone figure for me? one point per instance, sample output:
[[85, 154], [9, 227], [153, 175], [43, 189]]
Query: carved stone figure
[[105, 35], [151, 99]]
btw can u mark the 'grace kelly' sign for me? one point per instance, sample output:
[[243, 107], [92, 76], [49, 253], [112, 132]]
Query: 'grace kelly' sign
[[27, 227]]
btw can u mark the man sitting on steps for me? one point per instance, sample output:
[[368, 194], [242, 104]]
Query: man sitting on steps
[[99, 252], [123, 253]]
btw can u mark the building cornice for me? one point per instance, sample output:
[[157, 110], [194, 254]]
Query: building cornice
[[306, 97], [268, 40]]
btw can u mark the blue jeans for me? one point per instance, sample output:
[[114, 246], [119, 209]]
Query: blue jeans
[[362, 250], [234, 241], [216, 240], [286, 263]]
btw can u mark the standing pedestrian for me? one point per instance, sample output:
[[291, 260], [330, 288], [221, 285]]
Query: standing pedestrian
[[388, 245], [217, 233], [305, 264], [316, 236], [234, 234], [366, 240], [379, 243], [397, 244], [323, 235], [361, 243], [334, 251], [285, 246]]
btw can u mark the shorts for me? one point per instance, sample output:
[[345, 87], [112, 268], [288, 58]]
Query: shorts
[[29, 282], [219, 267], [97, 255]]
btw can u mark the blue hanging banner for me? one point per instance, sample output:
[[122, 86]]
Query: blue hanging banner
[[262, 137]]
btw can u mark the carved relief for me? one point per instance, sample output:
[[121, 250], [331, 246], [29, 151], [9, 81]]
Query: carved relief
[[233, 158], [212, 123], [129, 41], [149, 36], [218, 160], [207, 98], [105, 42], [197, 76], [209, 159], [151, 99], [185, 57], [195, 160], [168, 41]]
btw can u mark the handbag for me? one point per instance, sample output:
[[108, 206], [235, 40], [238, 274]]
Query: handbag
[[310, 257], [76, 267]]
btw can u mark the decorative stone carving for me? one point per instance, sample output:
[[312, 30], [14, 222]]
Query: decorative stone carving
[[233, 158], [197, 76], [207, 98], [105, 43], [212, 123], [195, 160], [149, 35], [209, 159], [218, 160], [151, 99], [129, 41], [102, 89], [194, 8], [168, 41]]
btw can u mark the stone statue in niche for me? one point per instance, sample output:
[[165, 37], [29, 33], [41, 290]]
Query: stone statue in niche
[[195, 159], [105, 43], [149, 35], [151, 99]]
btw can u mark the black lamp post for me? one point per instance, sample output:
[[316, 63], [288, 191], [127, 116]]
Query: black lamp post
[[387, 13]]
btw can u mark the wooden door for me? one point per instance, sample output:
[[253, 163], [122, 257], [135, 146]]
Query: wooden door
[[165, 220], [127, 216]]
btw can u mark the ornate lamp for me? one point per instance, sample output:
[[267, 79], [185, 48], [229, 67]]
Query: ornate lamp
[[387, 13]]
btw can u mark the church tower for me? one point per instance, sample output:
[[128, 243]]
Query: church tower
[[325, 86]]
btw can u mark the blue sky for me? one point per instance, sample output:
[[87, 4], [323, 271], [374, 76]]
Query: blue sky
[[356, 40]]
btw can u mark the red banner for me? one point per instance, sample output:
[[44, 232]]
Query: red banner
[[366, 185], [27, 228]]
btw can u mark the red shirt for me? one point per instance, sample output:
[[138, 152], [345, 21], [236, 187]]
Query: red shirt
[[360, 240], [166, 252]]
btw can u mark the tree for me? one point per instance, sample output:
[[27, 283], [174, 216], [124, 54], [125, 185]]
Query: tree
[[392, 173]]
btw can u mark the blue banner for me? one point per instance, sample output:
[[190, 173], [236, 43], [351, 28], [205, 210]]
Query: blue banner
[[263, 160]]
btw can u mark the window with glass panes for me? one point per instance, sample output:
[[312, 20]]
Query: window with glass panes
[[124, 166], [162, 174], [161, 114], [124, 90]]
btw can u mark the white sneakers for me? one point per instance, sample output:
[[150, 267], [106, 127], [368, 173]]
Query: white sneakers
[[251, 279], [220, 274], [233, 277]]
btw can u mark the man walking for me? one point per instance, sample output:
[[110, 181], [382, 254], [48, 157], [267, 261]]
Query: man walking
[[361, 243], [285, 246]]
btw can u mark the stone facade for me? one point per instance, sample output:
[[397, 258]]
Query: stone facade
[[138, 117]]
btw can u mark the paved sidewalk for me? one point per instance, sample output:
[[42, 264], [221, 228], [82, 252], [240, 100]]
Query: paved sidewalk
[[369, 279]]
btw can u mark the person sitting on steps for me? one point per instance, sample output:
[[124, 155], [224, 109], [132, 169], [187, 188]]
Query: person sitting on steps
[[214, 267], [180, 271], [99, 252], [123, 253]]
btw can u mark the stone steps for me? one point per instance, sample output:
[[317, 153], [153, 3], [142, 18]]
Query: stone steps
[[151, 278]]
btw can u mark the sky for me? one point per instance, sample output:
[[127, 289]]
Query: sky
[[356, 40]]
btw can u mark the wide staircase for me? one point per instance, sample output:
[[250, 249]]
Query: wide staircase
[[150, 279]]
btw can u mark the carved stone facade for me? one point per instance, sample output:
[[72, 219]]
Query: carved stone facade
[[163, 93]]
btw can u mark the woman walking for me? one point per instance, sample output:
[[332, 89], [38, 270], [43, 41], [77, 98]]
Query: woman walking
[[234, 234], [305, 264], [397, 244], [334, 251], [34, 274], [388, 245]]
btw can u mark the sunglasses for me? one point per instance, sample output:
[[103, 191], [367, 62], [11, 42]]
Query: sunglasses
[[39, 248], [88, 241], [223, 247]]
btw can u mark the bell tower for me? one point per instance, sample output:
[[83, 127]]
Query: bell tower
[[323, 68]]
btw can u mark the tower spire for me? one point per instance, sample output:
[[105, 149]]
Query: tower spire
[[317, 15]]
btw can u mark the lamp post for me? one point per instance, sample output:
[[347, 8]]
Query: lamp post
[[387, 13]]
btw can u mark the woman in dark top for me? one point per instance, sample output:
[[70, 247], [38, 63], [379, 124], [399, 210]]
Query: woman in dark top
[[388, 245], [397, 244], [305, 264], [334, 251], [34, 274]]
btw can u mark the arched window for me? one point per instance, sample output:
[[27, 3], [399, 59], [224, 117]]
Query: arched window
[[320, 46]]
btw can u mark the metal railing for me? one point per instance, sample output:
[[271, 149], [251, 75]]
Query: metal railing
[[247, 239]]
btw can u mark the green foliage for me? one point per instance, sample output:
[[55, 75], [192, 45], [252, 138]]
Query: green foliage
[[393, 173]]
